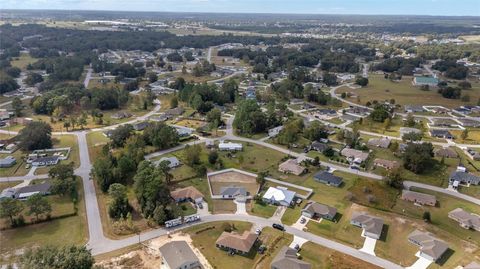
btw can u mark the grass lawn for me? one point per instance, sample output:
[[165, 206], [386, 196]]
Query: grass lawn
[[324, 258], [291, 215], [6, 185], [404, 93], [383, 196], [378, 127], [96, 141], [22, 61], [256, 209], [63, 231], [194, 124], [473, 136]]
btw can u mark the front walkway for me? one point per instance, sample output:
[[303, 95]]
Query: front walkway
[[277, 216], [297, 241], [241, 208], [298, 225], [421, 263]]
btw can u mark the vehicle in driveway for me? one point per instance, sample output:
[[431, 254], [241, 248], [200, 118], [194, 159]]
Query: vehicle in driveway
[[303, 220], [278, 226], [258, 231], [200, 205]]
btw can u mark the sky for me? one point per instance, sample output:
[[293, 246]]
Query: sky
[[366, 7]]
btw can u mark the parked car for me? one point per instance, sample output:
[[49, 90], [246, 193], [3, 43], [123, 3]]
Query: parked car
[[200, 205], [303, 220], [278, 226], [258, 231]]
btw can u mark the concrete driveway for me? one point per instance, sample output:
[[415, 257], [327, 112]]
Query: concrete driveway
[[277, 216], [297, 240], [369, 245], [421, 263], [241, 208], [204, 210], [298, 225]]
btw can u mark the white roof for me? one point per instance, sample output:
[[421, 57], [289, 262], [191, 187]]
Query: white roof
[[278, 194], [229, 145]]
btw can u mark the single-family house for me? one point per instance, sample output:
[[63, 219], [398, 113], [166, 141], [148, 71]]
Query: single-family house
[[447, 152], [328, 178], [290, 166], [287, 259], [372, 226], [440, 133], [229, 146], [386, 164], [179, 255], [172, 161], [473, 154], [355, 156], [318, 146], [8, 161], [46, 161], [173, 112], [431, 248], [406, 130], [189, 193], [465, 219], [419, 198], [279, 196], [232, 192], [379, 142], [464, 178], [183, 131], [140, 126], [237, 243], [317, 210], [413, 108], [24, 192], [121, 115]]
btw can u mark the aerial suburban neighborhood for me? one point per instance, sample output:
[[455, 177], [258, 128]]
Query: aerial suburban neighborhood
[[204, 134]]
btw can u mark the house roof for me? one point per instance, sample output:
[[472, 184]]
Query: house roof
[[177, 253], [187, 192], [319, 146], [172, 161], [464, 177], [386, 163], [429, 244], [326, 176], [418, 196], [287, 259], [446, 152], [7, 160], [320, 209], [233, 191], [46, 159], [242, 242], [369, 223], [465, 217], [379, 142], [353, 153], [440, 132], [42, 188], [279, 195], [426, 80], [472, 265], [291, 166]]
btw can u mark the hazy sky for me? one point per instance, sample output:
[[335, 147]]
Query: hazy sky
[[417, 7]]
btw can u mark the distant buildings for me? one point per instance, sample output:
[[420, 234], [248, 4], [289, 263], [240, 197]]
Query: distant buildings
[[431, 248], [121, 115], [446, 153], [178, 255], [407, 130], [275, 131], [379, 142], [413, 108], [372, 226]]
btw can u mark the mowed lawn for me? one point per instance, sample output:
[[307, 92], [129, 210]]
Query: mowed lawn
[[63, 231], [404, 92], [22, 61]]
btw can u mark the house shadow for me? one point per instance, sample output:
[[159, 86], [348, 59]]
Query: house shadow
[[383, 236], [445, 257], [337, 218]]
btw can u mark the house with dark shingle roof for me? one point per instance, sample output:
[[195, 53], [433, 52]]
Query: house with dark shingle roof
[[24, 192], [287, 259], [431, 248], [317, 210], [328, 178], [232, 192], [440, 133], [179, 255], [464, 178]]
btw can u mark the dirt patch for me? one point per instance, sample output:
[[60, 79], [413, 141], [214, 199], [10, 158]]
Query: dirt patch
[[233, 179]]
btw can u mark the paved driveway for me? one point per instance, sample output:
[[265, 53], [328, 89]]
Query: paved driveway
[[241, 208], [277, 216], [421, 263], [369, 245], [297, 240], [298, 225]]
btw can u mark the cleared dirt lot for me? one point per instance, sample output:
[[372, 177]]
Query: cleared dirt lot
[[233, 179]]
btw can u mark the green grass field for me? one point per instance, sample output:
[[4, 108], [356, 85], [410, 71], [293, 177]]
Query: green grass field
[[22, 61]]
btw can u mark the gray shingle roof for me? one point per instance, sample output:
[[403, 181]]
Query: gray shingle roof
[[287, 259], [177, 253]]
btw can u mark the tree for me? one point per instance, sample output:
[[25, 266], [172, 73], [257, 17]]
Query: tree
[[379, 113], [315, 131], [17, 106], [33, 78], [192, 154], [464, 134], [387, 123], [119, 206], [261, 178], [410, 121], [64, 181], [249, 119], [38, 205], [394, 179], [9, 208], [164, 167], [212, 157], [36, 135], [418, 157], [361, 81], [152, 77], [120, 134], [174, 102], [412, 136], [426, 216], [82, 121], [51, 257], [160, 135]]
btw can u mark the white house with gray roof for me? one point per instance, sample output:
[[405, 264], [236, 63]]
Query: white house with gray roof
[[178, 255]]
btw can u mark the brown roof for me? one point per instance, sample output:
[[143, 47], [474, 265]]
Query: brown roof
[[446, 152], [291, 166], [187, 192], [419, 197], [242, 242], [353, 153]]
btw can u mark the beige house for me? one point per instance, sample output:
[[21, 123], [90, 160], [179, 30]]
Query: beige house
[[389, 165], [238, 243], [291, 166], [419, 198], [465, 219]]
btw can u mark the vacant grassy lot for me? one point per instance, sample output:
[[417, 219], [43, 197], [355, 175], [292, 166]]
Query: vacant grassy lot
[[96, 141], [404, 92], [472, 138], [22, 61]]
